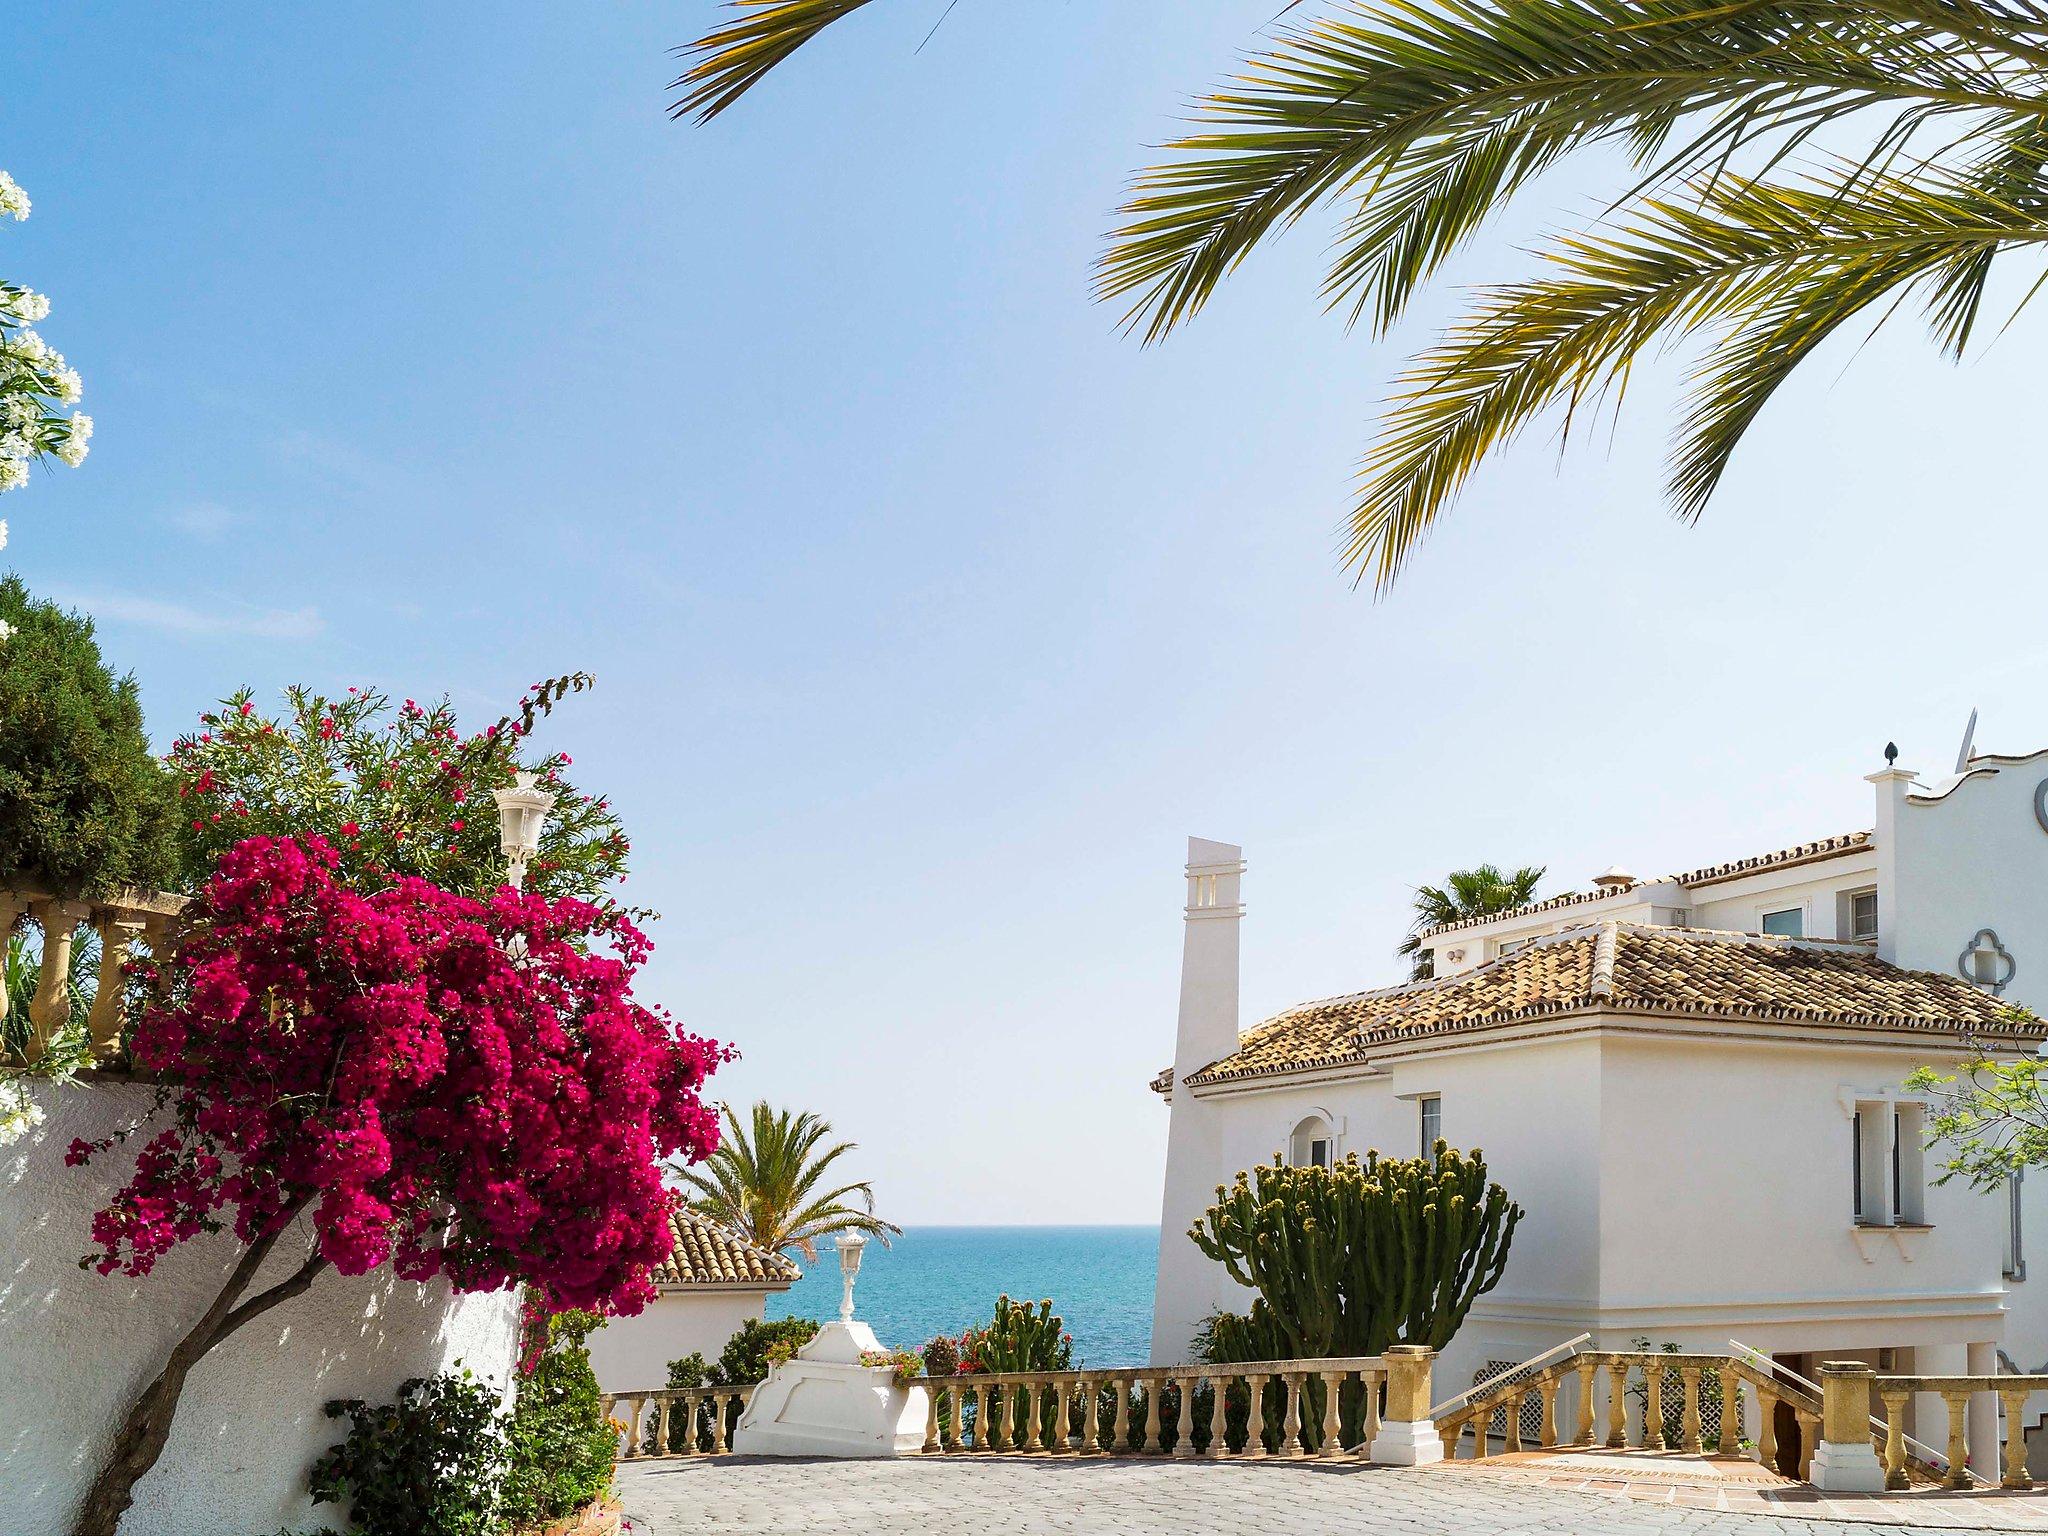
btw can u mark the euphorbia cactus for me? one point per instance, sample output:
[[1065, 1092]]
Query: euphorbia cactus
[[1350, 1259]]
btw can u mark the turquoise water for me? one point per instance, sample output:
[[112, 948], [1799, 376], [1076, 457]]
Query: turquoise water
[[945, 1279]]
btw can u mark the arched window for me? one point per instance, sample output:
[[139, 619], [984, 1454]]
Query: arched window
[[1313, 1144]]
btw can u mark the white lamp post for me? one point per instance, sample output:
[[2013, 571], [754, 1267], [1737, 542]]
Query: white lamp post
[[850, 1246], [521, 811]]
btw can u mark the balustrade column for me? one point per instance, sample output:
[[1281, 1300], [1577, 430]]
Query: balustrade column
[[1689, 1414], [50, 1009], [2013, 1469], [1809, 1438], [1290, 1431], [1184, 1425], [103, 1025], [634, 1421], [1333, 1417], [1895, 1400], [931, 1423], [1091, 1417], [1586, 1370], [1958, 1443], [718, 1401], [1548, 1388], [1368, 1414], [1028, 1407], [982, 1439], [1219, 1395], [1120, 1435], [1511, 1421], [1767, 1427], [1617, 1404], [1255, 1421], [693, 1412], [1653, 1411], [1153, 1443], [1729, 1441], [1056, 1396]]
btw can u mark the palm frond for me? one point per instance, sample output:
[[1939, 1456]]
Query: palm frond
[[731, 60], [763, 1182]]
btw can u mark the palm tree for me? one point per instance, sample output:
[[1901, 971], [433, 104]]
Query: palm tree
[[1418, 122], [763, 1184], [1465, 893]]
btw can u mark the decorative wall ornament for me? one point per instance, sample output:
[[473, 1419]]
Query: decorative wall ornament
[[2041, 804], [1987, 963]]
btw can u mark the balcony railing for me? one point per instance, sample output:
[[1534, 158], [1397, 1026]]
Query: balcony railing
[[119, 922]]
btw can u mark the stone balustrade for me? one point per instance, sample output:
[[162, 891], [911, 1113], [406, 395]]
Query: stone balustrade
[[119, 921], [1662, 1379], [1286, 1409], [677, 1421], [1852, 1391]]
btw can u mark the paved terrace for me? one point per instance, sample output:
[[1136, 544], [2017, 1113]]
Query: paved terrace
[[1020, 1496]]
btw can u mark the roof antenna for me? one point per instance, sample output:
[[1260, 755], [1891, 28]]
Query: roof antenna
[[1891, 754], [1969, 741]]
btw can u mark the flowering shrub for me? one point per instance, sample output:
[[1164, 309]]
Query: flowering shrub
[[905, 1365], [33, 378], [394, 792], [560, 1448], [458, 1087], [942, 1357], [383, 1061]]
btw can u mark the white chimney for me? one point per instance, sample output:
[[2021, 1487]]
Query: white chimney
[[1189, 1287], [1208, 957]]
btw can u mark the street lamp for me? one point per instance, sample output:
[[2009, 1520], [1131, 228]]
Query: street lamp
[[850, 1246], [521, 810]]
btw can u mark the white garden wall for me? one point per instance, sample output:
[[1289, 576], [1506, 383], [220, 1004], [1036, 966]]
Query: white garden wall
[[629, 1353], [76, 1347]]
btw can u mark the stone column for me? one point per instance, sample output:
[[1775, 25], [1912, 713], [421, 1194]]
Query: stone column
[[1407, 1438], [1845, 1461]]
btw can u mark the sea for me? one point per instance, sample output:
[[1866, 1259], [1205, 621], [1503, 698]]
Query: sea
[[934, 1280]]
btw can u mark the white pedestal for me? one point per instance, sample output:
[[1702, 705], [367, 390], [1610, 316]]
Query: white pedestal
[[1407, 1444], [826, 1403], [1847, 1468]]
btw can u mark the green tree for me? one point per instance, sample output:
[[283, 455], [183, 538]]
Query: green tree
[[1465, 893], [1992, 1115], [85, 808], [560, 1449], [766, 1181], [1415, 124]]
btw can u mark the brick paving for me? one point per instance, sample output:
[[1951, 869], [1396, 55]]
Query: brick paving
[[1025, 1496]]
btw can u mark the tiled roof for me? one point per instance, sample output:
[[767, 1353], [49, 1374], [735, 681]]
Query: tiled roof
[[709, 1254], [1783, 858], [1623, 968]]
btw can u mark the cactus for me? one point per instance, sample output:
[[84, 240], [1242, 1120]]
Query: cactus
[[1350, 1259]]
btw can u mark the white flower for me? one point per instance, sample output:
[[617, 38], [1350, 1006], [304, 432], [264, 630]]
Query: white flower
[[73, 449], [6, 629], [13, 474], [26, 304], [3, 533], [31, 346], [19, 410], [67, 386], [12, 199], [18, 445]]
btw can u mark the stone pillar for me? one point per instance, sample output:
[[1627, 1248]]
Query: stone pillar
[[1845, 1461], [1407, 1438]]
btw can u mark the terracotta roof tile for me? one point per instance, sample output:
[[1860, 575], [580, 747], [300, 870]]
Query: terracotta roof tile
[[1623, 968], [709, 1254]]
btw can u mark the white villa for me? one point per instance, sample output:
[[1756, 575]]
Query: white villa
[[713, 1281], [1692, 1084]]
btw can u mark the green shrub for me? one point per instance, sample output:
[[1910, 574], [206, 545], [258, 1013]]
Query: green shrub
[[85, 808], [429, 1464], [561, 1446], [745, 1358]]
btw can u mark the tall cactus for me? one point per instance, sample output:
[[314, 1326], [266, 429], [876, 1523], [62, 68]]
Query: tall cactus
[[1351, 1259]]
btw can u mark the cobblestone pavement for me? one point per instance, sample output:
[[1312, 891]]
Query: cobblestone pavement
[[1015, 1496]]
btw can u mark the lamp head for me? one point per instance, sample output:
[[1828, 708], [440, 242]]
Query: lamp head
[[522, 810]]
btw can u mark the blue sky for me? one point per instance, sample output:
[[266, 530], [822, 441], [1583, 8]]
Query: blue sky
[[929, 614]]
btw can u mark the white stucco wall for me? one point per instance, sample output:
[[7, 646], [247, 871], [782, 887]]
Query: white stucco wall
[[629, 1353], [76, 1347]]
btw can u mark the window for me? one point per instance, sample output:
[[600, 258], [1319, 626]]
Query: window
[[1863, 915], [1856, 1161], [1887, 1165], [1432, 1123], [1788, 924], [1313, 1145]]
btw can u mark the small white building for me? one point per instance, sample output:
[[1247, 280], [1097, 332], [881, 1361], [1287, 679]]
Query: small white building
[[1693, 1085], [713, 1281]]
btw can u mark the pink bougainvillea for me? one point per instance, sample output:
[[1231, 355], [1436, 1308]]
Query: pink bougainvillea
[[457, 1086]]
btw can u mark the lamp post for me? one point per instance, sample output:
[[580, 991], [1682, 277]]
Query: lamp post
[[850, 1246], [521, 811]]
